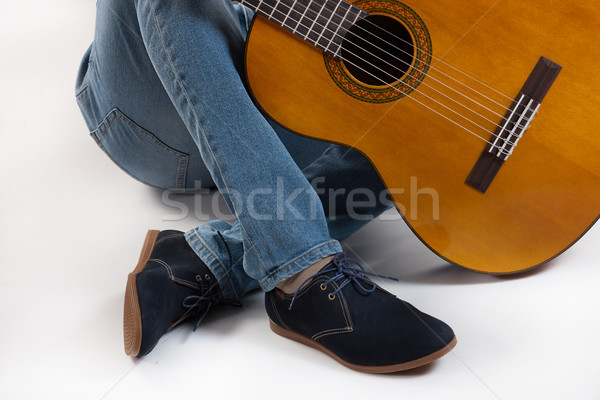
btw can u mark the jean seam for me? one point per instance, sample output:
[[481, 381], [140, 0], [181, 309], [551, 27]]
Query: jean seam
[[147, 134], [94, 136], [247, 23], [81, 91], [125, 24], [182, 172], [102, 128], [116, 114], [189, 101]]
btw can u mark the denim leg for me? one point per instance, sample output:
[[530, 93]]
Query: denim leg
[[118, 85], [131, 116], [350, 190], [196, 48], [351, 194]]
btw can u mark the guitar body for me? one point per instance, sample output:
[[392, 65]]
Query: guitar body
[[545, 196]]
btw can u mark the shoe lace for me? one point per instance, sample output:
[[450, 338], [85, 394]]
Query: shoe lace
[[208, 297], [348, 269]]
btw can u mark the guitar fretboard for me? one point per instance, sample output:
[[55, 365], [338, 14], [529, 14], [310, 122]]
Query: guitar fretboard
[[322, 23]]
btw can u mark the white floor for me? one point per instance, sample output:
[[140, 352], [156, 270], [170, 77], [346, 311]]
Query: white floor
[[73, 225]]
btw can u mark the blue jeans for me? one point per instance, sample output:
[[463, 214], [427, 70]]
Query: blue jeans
[[163, 94]]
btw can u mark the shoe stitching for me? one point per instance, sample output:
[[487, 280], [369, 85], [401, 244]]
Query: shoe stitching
[[164, 264], [277, 312], [172, 277], [340, 296], [343, 305], [330, 332], [186, 283], [345, 313], [172, 235], [342, 301]]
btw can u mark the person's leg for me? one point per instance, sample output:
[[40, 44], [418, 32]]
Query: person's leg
[[348, 186], [196, 49], [275, 210], [350, 190], [132, 117]]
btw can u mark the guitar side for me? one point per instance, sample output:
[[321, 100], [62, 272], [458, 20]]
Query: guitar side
[[546, 195]]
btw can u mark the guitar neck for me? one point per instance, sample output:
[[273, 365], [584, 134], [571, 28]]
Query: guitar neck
[[322, 23]]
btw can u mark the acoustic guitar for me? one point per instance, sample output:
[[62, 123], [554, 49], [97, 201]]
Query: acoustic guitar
[[481, 117]]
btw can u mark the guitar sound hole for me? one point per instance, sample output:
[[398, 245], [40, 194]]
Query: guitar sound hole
[[378, 50]]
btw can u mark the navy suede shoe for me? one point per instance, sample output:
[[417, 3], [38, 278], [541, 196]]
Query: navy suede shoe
[[342, 313], [169, 285]]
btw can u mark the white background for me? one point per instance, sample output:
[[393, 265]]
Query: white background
[[73, 224]]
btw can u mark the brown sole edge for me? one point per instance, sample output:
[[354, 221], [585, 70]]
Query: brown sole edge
[[384, 369], [132, 317]]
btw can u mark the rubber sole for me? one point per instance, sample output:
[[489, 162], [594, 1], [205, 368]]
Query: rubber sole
[[384, 369], [132, 316]]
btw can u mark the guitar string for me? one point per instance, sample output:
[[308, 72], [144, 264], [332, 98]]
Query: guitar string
[[439, 60], [503, 128], [410, 43], [502, 118], [500, 146], [424, 83], [501, 151], [504, 141], [432, 77], [430, 66]]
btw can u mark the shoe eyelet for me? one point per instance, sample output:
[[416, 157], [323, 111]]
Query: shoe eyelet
[[331, 296], [207, 277], [198, 278], [323, 287]]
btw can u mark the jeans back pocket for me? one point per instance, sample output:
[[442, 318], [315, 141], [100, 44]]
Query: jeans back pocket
[[141, 154]]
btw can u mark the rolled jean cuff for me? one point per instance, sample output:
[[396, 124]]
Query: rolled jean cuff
[[299, 264], [216, 266]]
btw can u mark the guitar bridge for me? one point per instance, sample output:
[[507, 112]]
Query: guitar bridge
[[516, 121]]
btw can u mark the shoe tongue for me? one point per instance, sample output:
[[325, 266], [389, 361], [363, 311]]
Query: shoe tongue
[[290, 285]]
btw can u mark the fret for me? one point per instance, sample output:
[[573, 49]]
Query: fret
[[359, 14], [252, 4], [334, 25], [325, 33], [294, 15], [290, 11], [314, 22], [297, 28], [265, 7], [279, 12], [311, 8], [322, 23], [261, 5]]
